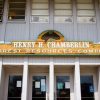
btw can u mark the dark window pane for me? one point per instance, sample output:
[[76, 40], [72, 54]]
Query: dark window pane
[[38, 99], [87, 98], [87, 88], [16, 9], [14, 87], [1, 9], [16, 0], [63, 98], [18, 6], [14, 98]]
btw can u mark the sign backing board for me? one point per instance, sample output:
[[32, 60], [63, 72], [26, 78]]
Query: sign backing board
[[50, 48]]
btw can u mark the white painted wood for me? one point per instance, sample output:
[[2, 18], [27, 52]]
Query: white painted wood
[[37, 60], [75, 25], [1, 70], [89, 61], [25, 80], [51, 80], [98, 83], [64, 60], [77, 87], [97, 20], [13, 60]]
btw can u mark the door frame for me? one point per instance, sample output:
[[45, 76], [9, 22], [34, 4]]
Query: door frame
[[94, 82], [30, 83], [7, 82], [71, 83]]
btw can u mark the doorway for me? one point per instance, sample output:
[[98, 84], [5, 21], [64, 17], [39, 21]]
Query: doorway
[[39, 87], [62, 87]]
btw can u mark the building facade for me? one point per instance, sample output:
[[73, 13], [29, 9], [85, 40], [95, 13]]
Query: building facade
[[49, 77]]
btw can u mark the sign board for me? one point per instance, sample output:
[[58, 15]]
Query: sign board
[[18, 84], [49, 48], [67, 85], [37, 84]]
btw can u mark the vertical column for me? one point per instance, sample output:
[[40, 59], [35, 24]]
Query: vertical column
[[51, 80], [99, 83], [97, 20], [25, 80], [77, 86], [75, 20], [1, 77]]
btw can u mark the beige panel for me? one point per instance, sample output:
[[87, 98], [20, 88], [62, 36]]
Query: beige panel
[[63, 6], [40, 12], [84, 1], [86, 13], [63, 12], [39, 6], [85, 6], [39, 1], [62, 1]]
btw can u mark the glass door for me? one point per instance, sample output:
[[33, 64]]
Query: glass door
[[62, 87], [14, 87], [39, 88], [87, 87]]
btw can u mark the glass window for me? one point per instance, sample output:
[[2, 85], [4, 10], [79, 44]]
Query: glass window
[[14, 87], [39, 88], [1, 9], [63, 11], [16, 9], [99, 4], [63, 87], [85, 11], [87, 88], [40, 11]]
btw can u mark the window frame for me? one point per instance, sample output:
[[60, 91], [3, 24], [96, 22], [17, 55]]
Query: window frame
[[86, 17], [8, 76], [40, 16], [2, 14], [17, 20], [63, 16]]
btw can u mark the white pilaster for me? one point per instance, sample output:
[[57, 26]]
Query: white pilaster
[[1, 77], [25, 80], [51, 80], [99, 83], [77, 86]]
